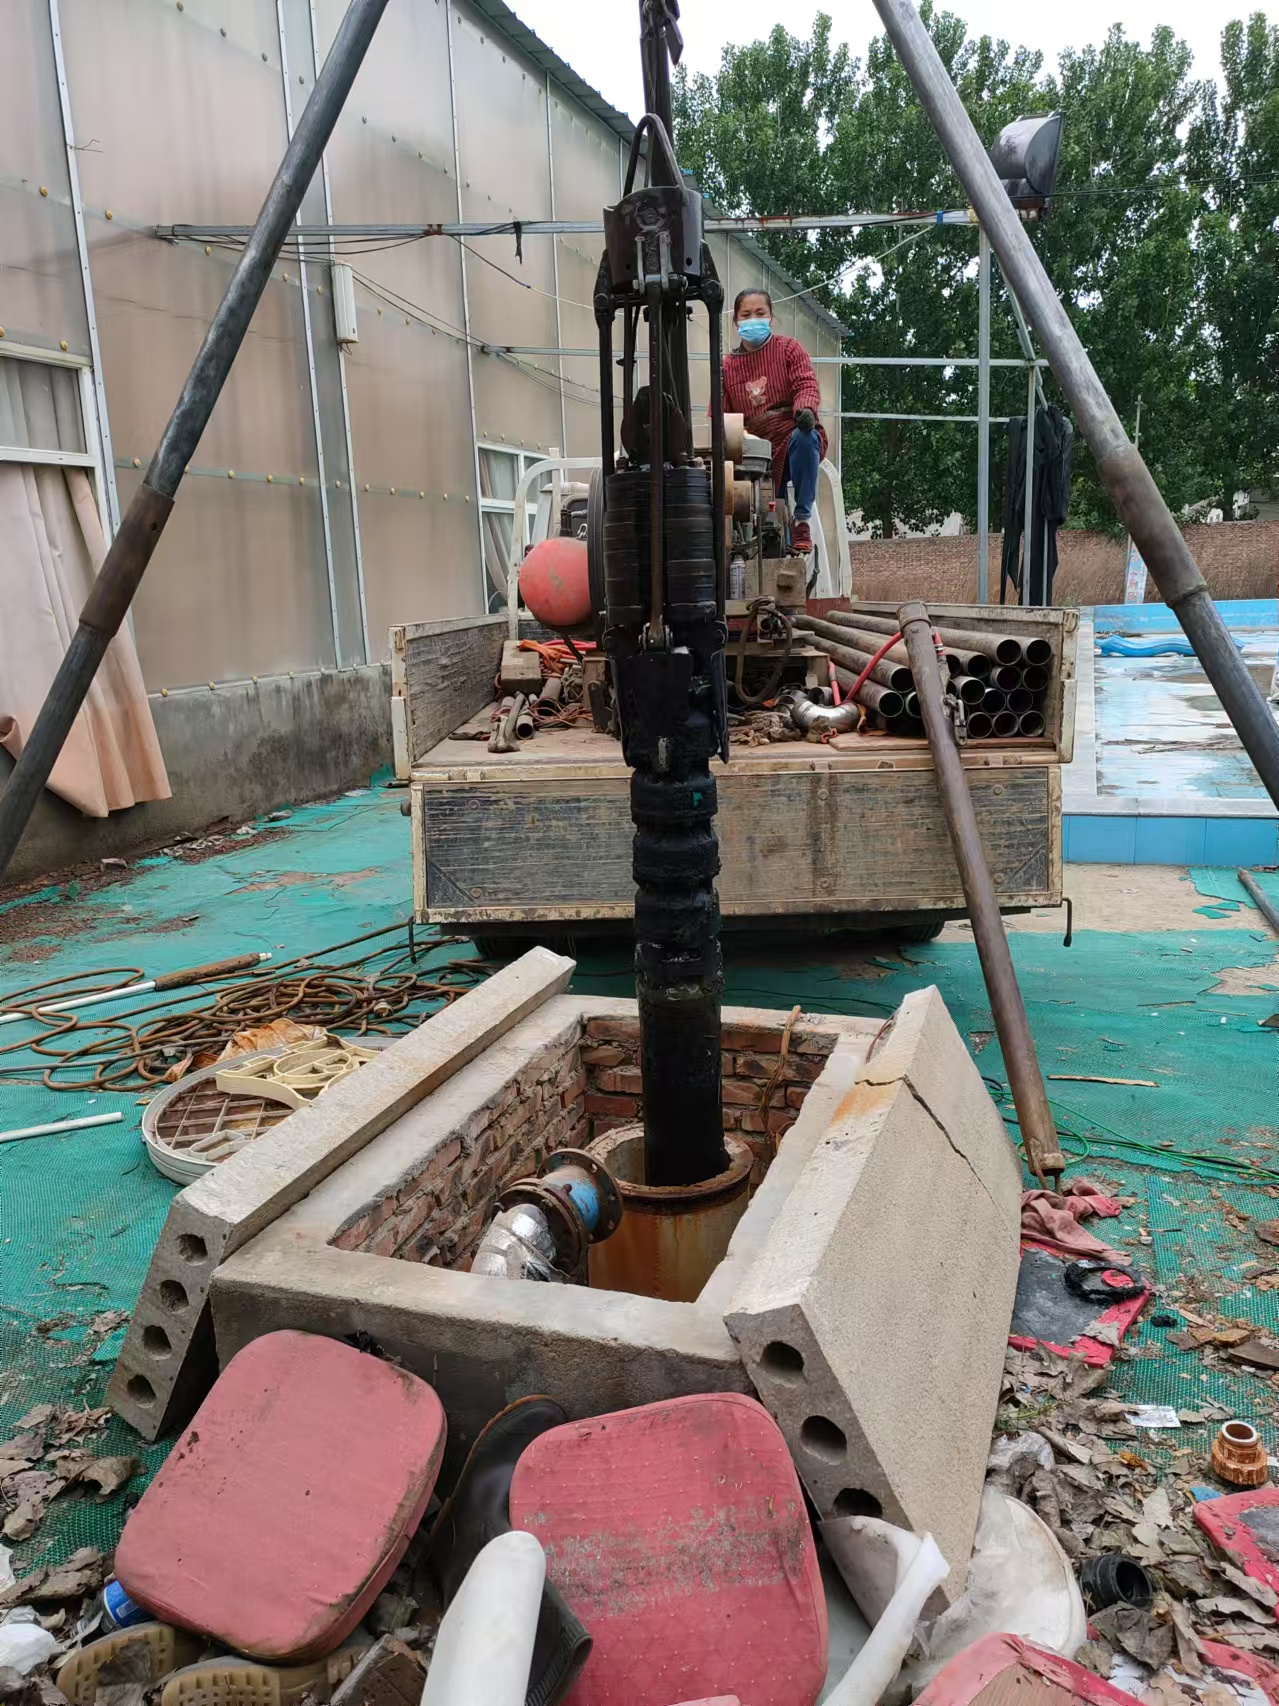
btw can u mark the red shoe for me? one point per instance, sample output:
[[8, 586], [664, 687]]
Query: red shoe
[[801, 540]]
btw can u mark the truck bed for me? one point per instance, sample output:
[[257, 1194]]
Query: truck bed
[[850, 831]]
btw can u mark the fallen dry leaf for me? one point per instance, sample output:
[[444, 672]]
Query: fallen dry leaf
[[1137, 1633], [1227, 1606], [108, 1474], [23, 1520], [1255, 1590], [39, 1417], [83, 1572], [1267, 1231]]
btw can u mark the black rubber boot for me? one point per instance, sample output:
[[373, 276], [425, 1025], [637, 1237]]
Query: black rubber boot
[[477, 1511]]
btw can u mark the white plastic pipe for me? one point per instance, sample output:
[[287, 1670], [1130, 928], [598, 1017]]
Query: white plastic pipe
[[879, 1661], [59, 1125], [91, 1000], [484, 1650]]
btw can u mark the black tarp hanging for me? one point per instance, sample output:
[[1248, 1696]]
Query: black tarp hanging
[[1054, 444]]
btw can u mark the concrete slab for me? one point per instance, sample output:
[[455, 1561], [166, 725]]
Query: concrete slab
[[330, 1265], [167, 1359], [874, 1321]]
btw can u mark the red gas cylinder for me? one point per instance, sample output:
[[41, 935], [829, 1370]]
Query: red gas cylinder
[[555, 583]]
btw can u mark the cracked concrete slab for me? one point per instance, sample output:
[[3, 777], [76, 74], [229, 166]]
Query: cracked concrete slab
[[873, 1323]]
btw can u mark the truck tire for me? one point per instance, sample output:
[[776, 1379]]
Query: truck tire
[[926, 930]]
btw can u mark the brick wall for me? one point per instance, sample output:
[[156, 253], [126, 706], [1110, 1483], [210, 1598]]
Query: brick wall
[[751, 1053], [1239, 559], [578, 1081], [436, 1213]]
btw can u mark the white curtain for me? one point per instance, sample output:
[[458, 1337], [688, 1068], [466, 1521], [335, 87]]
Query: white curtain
[[51, 548]]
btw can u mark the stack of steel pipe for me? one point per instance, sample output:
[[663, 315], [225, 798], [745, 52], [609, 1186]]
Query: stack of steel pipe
[[1001, 681]]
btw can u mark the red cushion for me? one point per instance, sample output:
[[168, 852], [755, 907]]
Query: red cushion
[[287, 1504], [678, 1534]]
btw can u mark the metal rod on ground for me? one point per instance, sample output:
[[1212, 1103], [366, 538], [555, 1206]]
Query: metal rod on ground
[[144, 520], [1038, 1132], [983, 417], [1268, 909], [167, 980], [1136, 497]]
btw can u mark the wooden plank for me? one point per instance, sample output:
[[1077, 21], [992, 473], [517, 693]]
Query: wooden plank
[[542, 846], [578, 753], [447, 670]]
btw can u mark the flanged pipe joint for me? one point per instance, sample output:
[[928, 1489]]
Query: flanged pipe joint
[[546, 1224]]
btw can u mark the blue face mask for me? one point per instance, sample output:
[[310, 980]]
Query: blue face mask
[[753, 333]]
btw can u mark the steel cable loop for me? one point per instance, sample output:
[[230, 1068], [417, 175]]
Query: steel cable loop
[[138, 1052]]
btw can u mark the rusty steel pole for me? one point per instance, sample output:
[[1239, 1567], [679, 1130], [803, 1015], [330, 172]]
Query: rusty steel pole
[[1128, 480], [1034, 1116], [144, 520]]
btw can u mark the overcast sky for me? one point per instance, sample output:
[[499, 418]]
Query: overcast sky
[[599, 38]]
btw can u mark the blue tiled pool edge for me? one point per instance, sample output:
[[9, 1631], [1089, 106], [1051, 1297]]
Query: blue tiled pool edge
[[1140, 840]]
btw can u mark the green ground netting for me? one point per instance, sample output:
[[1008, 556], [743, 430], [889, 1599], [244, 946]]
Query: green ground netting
[[80, 1212]]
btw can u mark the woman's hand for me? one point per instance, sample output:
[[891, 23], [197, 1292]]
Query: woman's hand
[[805, 420]]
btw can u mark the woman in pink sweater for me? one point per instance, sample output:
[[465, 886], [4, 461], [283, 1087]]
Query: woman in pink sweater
[[769, 379]]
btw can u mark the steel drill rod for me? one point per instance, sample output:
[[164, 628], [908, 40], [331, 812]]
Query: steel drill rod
[[964, 662], [993, 700], [893, 675], [968, 688], [1030, 724], [979, 725], [868, 643], [1133, 491], [1005, 724], [1034, 1116], [144, 520], [1000, 648], [874, 697], [958, 660], [836, 625], [1268, 909]]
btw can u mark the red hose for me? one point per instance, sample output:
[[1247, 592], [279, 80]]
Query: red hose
[[865, 674]]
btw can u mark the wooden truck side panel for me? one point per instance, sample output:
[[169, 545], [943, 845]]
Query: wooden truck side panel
[[792, 842]]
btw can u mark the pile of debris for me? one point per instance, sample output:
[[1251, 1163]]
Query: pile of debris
[[47, 1457]]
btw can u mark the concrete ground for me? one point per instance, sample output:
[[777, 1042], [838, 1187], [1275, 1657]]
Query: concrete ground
[[1170, 978]]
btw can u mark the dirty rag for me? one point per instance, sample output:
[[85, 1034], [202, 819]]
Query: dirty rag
[[1052, 1220]]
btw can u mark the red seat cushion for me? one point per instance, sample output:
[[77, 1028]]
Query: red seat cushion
[[677, 1533], [285, 1507]]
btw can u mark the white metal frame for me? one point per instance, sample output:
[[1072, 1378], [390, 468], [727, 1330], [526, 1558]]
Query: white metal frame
[[317, 430], [96, 419], [352, 481], [554, 465], [90, 458], [520, 537], [466, 303]]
